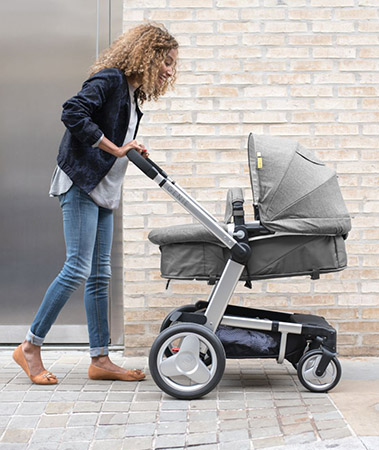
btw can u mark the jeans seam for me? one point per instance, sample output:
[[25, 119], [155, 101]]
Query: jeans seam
[[96, 295]]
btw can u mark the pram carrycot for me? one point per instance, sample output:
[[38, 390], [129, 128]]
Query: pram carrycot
[[299, 229]]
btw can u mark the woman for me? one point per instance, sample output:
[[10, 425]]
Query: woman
[[102, 122]]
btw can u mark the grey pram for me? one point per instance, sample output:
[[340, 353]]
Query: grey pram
[[299, 228]]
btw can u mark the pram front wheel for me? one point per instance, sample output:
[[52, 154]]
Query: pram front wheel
[[306, 371], [195, 364]]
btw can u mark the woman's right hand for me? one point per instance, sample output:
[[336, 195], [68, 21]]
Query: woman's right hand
[[108, 146], [122, 151]]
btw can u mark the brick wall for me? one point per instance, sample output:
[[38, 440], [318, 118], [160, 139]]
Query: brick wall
[[301, 69]]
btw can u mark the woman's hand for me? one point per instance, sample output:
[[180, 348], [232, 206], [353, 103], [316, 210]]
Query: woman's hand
[[108, 146], [129, 146]]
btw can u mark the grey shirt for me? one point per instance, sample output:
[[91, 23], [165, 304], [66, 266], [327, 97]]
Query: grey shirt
[[107, 193]]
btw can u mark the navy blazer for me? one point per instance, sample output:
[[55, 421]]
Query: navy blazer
[[101, 107]]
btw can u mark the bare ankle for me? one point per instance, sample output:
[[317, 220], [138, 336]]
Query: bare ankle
[[28, 347]]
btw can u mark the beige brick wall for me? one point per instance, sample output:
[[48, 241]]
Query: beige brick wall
[[303, 69]]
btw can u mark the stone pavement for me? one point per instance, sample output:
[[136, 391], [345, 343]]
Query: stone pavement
[[258, 404]]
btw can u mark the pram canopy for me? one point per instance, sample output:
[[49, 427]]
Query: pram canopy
[[295, 192]]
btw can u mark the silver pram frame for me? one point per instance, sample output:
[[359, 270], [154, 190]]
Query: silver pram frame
[[187, 359]]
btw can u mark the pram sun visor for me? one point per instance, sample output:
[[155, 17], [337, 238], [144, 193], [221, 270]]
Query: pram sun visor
[[295, 192]]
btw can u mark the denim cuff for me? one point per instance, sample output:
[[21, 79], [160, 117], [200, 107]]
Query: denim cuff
[[98, 351], [33, 339]]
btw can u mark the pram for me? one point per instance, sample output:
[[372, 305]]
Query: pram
[[299, 228]]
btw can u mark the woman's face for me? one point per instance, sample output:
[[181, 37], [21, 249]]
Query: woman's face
[[166, 69]]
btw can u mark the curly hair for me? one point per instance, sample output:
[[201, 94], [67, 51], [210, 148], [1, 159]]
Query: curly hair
[[140, 52]]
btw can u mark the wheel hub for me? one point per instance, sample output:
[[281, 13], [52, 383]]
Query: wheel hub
[[186, 362]]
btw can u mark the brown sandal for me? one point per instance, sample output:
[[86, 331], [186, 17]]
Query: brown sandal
[[97, 373], [45, 377]]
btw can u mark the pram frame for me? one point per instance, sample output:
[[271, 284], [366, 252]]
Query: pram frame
[[223, 290]]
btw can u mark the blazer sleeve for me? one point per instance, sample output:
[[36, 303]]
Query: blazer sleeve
[[78, 111]]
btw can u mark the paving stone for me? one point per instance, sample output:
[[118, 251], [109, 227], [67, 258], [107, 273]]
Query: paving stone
[[145, 406], [202, 403], [236, 424], [35, 408], [292, 410], [11, 396], [263, 422], [44, 446], [20, 422], [82, 420], [79, 434], [265, 432], [9, 446], [174, 405], [17, 436], [335, 433], [170, 441], [172, 416], [147, 396], [87, 407], [296, 418], [231, 405], [235, 435], [140, 429], [202, 415], [268, 442], [116, 407], [42, 435], [59, 407], [138, 443], [114, 419], [201, 438], [65, 396], [74, 445], [4, 420], [202, 427], [297, 428], [330, 424], [241, 445], [92, 396], [232, 414], [7, 409], [120, 396], [142, 417], [112, 444], [33, 396], [171, 428], [104, 432], [52, 421], [303, 438]]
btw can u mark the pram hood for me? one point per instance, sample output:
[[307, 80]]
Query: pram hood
[[294, 191]]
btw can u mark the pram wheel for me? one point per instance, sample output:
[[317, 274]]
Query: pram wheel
[[306, 371], [196, 363]]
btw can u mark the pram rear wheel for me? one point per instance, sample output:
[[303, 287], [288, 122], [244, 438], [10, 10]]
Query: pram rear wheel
[[195, 364], [306, 371]]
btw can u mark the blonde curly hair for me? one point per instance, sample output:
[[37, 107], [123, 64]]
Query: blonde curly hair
[[140, 52]]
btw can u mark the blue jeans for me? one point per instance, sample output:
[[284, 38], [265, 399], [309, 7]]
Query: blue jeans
[[88, 232]]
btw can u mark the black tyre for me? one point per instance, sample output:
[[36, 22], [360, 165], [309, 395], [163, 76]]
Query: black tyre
[[195, 367], [306, 371]]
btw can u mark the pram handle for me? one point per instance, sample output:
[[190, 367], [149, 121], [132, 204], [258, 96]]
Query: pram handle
[[148, 167]]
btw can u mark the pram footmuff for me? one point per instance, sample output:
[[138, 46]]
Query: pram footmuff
[[300, 226]]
